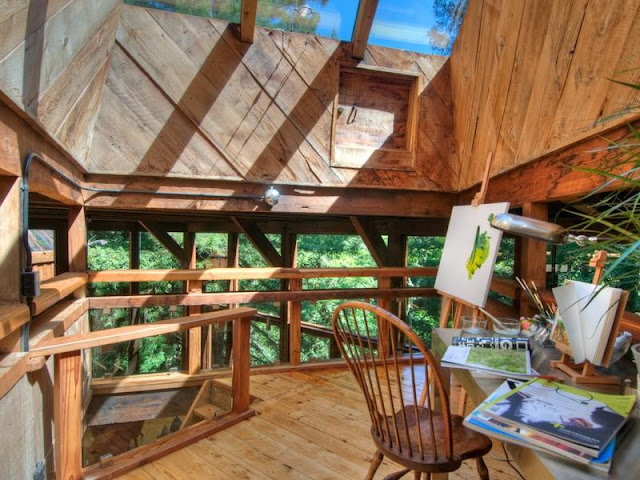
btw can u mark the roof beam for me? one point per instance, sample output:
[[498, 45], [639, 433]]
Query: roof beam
[[259, 240], [248, 20], [372, 239], [364, 21], [167, 242]]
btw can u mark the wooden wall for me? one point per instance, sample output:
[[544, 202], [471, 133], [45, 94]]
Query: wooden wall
[[185, 98], [532, 76], [54, 57]]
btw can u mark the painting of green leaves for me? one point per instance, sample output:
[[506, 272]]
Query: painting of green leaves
[[508, 360]]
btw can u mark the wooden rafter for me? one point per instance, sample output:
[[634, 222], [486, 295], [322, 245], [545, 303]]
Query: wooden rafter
[[364, 21], [372, 239], [259, 240], [248, 20], [167, 242]]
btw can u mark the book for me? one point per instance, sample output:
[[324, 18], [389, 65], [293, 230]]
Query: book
[[588, 312], [496, 361], [504, 343], [576, 418], [480, 422]]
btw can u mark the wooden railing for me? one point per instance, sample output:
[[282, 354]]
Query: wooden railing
[[68, 385]]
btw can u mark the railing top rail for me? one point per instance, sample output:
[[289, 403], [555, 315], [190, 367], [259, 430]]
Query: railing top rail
[[254, 273], [100, 338]]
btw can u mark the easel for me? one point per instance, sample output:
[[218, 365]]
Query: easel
[[451, 303], [587, 373]]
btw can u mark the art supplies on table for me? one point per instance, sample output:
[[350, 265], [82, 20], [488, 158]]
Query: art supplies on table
[[503, 343], [529, 437], [588, 312], [514, 363]]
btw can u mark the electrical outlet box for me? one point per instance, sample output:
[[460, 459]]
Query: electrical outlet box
[[30, 284]]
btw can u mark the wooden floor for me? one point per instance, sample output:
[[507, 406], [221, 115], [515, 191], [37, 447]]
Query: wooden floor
[[311, 426]]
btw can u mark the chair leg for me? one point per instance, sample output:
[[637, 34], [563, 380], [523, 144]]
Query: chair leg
[[483, 471], [397, 475], [375, 463], [417, 475]]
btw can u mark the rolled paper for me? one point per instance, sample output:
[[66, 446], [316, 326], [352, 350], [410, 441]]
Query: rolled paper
[[503, 343]]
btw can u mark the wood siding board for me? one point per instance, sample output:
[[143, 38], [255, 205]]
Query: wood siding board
[[463, 79], [19, 19], [141, 122], [30, 69], [504, 21], [556, 57], [77, 130], [530, 43], [61, 97], [602, 38]]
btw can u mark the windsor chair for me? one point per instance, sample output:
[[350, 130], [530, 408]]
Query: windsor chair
[[394, 371]]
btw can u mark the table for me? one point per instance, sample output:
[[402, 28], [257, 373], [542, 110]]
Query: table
[[538, 465]]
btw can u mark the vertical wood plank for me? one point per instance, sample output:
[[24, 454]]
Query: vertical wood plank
[[77, 240], [248, 20], [533, 259], [194, 341], [295, 318], [67, 414], [240, 372], [10, 244]]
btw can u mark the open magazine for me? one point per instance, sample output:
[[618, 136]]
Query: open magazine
[[526, 437], [580, 419], [510, 363]]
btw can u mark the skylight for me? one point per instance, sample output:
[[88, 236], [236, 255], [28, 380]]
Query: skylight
[[424, 26]]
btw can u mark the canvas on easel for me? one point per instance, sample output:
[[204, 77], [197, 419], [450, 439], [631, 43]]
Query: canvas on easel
[[469, 253]]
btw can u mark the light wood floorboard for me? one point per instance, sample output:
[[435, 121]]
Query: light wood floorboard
[[310, 426]]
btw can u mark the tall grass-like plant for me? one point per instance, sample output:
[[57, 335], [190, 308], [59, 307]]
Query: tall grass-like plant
[[612, 212]]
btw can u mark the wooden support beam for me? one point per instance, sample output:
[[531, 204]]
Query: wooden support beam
[[240, 360], [248, 20], [77, 240], [259, 240], [532, 261], [231, 298], [13, 366], [287, 309], [10, 243], [362, 29], [12, 317], [194, 340], [123, 334], [67, 415], [324, 200], [254, 273], [294, 316], [167, 242], [372, 239]]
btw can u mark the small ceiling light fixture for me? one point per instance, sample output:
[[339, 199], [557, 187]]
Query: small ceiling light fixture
[[271, 197], [538, 229]]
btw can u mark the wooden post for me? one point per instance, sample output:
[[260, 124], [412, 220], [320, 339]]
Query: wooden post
[[233, 248], [10, 242], [67, 414], [533, 255], [77, 241], [294, 314], [240, 371], [290, 312], [194, 341]]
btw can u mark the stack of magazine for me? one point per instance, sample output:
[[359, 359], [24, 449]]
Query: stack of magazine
[[563, 421]]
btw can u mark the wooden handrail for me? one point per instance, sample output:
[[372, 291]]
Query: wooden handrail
[[12, 317], [110, 336], [218, 298], [57, 288], [67, 407], [254, 274]]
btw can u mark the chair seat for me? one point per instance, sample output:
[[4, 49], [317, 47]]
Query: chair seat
[[466, 443]]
